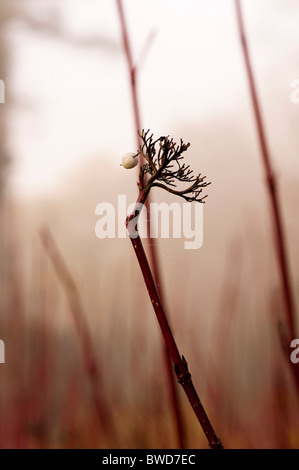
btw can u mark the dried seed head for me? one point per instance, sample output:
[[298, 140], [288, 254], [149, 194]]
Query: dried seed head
[[165, 169]]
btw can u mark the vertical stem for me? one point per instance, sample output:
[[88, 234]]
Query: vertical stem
[[180, 364], [102, 406], [152, 248], [131, 68], [271, 185], [278, 231]]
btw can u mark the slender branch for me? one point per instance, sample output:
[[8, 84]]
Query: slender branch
[[180, 365], [103, 408], [171, 153], [145, 49], [174, 399], [182, 193], [131, 67], [278, 230], [271, 183]]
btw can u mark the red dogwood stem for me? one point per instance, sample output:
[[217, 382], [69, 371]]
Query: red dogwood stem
[[271, 184], [277, 221], [180, 365], [174, 399]]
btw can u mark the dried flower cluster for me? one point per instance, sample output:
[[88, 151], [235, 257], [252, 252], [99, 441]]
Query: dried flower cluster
[[165, 169]]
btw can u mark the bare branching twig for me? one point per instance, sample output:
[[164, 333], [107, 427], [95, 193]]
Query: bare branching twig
[[165, 168], [163, 164]]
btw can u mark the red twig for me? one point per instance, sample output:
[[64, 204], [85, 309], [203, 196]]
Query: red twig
[[103, 408], [278, 231], [131, 67], [180, 364], [152, 248]]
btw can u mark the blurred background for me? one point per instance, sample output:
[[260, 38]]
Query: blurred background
[[84, 364]]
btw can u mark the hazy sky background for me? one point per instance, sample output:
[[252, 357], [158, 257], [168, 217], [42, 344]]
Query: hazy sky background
[[75, 103], [70, 123]]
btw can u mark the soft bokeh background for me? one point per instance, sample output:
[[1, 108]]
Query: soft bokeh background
[[66, 123]]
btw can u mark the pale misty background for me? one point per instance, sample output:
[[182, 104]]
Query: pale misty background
[[70, 121], [74, 120]]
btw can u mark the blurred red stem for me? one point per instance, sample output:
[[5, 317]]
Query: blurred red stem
[[278, 231], [131, 67], [271, 184], [180, 365], [103, 408], [152, 247]]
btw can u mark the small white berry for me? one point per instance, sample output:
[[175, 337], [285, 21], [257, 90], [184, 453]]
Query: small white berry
[[129, 160]]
